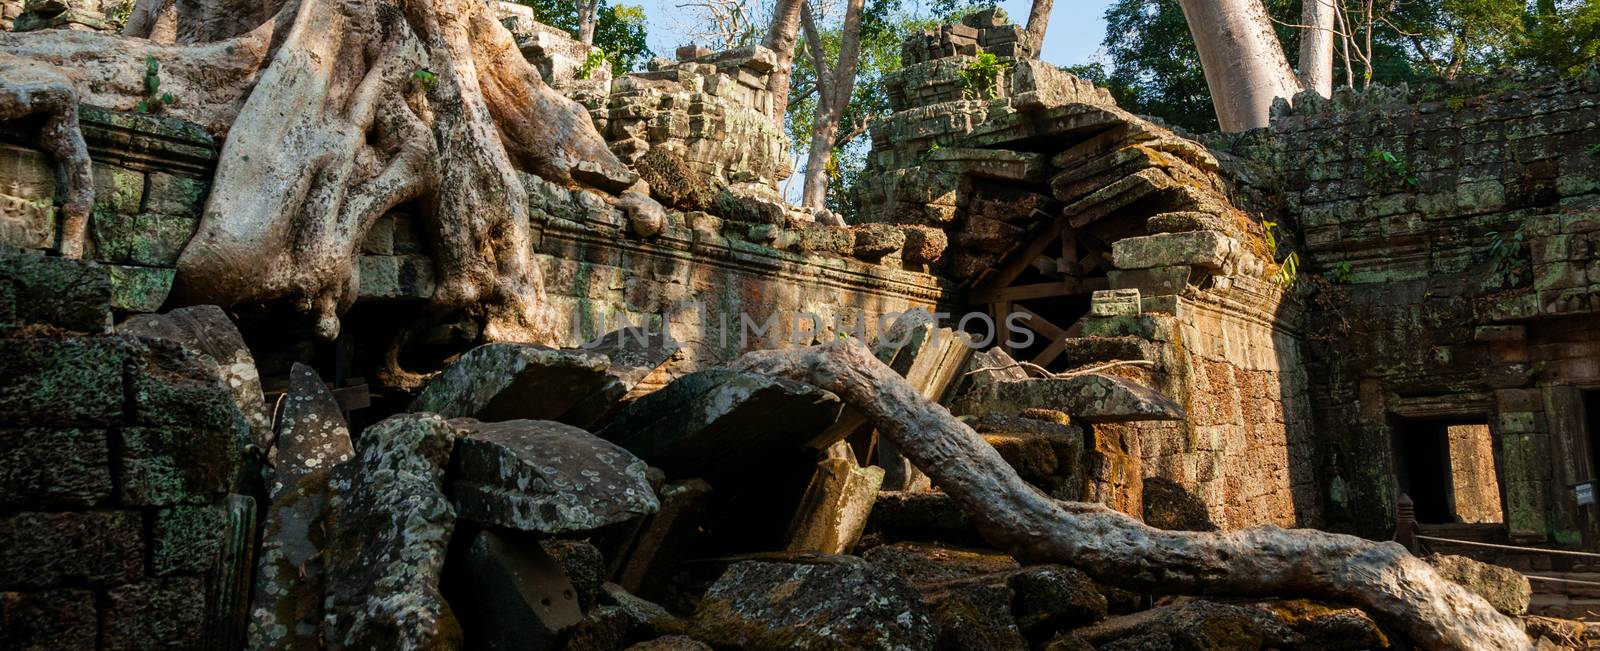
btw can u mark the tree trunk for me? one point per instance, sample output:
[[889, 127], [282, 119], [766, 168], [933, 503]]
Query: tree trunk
[[34, 89], [361, 107], [1244, 64], [782, 35], [1038, 20], [587, 11], [834, 87], [1118, 550], [1316, 46]]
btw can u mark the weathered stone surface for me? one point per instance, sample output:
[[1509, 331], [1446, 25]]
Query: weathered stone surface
[[582, 563], [1207, 249], [642, 614], [1504, 588], [156, 613], [928, 566], [833, 240], [51, 382], [140, 289], [389, 523], [163, 465], [53, 467], [228, 584], [671, 643], [1203, 624], [873, 241], [713, 421], [69, 294], [978, 616], [107, 548], [53, 619], [505, 381], [1045, 452], [312, 439], [642, 360], [924, 244], [835, 603], [1054, 597], [835, 507], [516, 596], [1168, 506], [1092, 398], [186, 539], [546, 477], [1183, 222], [207, 330]]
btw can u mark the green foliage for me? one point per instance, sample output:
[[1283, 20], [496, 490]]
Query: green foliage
[[980, 78], [591, 63], [1592, 149], [1386, 171], [884, 26], [154, 100], [426, 78], [1340, 273], [1289, 266], [618, 29], [119, 14], [1508, 253]]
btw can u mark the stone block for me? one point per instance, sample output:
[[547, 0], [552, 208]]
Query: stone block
[[186, 539], [1092, 398], [158, 613], [519, 598], [1502, 333], [27, 223], [53, 468], [1504, 588], [836, 602], [140, 289], [506, 381], [1156, 281], [176, 196], [48, 549], [1206, 249], [209, 332], [1115, 302], [834, 510], [117, 189], [402, 276], [380, 238], [52, 382], [52, 619], [69, 294], [170, 385], [174, 465], [545, 477]]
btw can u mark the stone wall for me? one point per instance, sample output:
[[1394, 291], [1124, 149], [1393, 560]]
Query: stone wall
[[117, 457], [1048, 194], [1451, 247], [151, 176]]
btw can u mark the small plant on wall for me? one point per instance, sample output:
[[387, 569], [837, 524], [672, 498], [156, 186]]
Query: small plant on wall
[[980, 79], [154, 100], [1386, 171]]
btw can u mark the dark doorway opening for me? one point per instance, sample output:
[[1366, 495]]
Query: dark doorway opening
[[1449, 470], [1424, 470], [1591, 425]]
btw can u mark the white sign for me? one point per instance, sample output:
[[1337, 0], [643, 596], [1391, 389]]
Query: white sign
[[1584, 493]]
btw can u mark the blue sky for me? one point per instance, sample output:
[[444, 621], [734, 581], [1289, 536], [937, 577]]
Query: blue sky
[[1076, 27]]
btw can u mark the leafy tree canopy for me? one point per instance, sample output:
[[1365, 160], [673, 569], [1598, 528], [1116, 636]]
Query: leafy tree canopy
[[619, 29]]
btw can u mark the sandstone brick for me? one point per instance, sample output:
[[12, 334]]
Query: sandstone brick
[[48, 549], [53, 467], [158, 613], [50, 382], [186, 539], [53, 619], [174, 465]]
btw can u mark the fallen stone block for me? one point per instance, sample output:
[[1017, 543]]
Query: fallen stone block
[[1090, 398], [931, 566], [383, 579], [921, 515], [664, 539], [69, 294], [978, 616], [515, 596], [837, 602], [713, 422], [545, 477], [1053, 597], [286, 611], [834, 510], [207, 330], [1205, 249], [642, 361], [1504, 588], [874, 241], [506, 381]]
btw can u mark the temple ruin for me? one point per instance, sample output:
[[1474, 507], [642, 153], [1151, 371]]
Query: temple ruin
[[1111, 304]]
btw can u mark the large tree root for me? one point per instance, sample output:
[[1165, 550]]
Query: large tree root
[[337, 111], [32, 89], [1119, 550]]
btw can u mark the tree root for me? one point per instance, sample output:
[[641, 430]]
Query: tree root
[[28, 89], [1118, 550]]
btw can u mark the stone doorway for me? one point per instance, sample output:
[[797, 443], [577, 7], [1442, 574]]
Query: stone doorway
[[1449, 471]]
